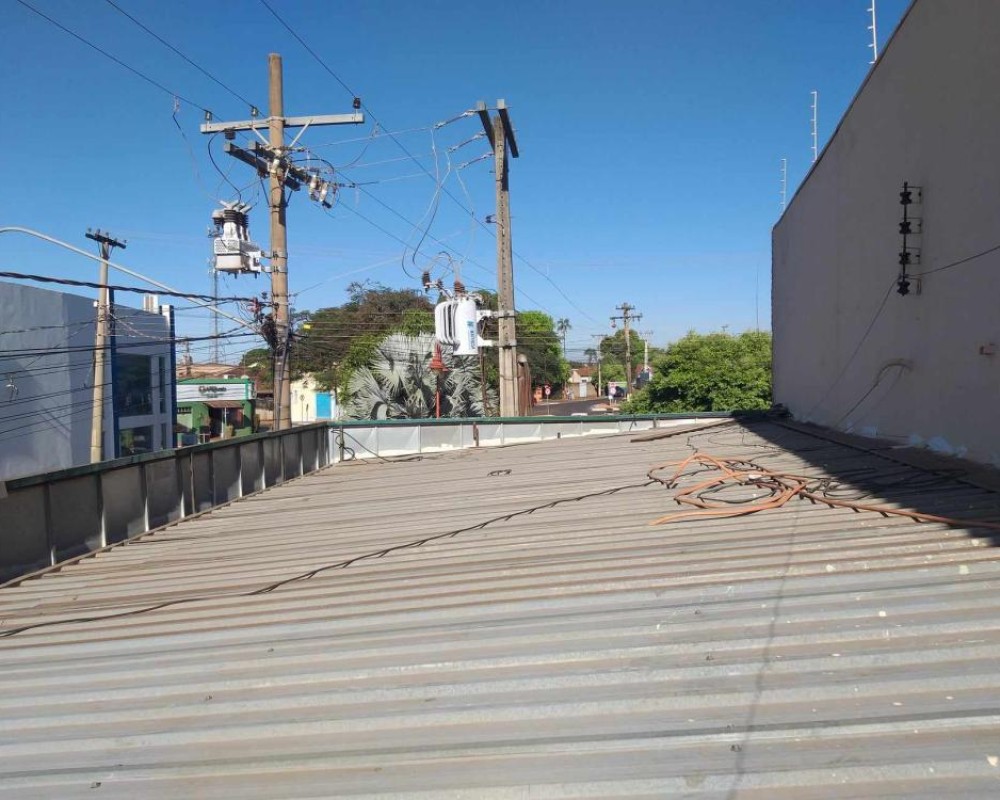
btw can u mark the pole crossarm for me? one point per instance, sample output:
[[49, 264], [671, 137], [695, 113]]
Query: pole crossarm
[[508, 127], [357, 118], [484, 117], [260, 157]]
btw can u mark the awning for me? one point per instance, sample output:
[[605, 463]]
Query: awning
[[223, 403]]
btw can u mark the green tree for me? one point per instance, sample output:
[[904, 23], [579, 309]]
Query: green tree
[[258, 364], [562, 328], [613, 349], [332, 342], [537, 339], [709, 372]]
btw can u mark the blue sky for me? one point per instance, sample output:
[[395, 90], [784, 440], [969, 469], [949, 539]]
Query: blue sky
[[651, 135]]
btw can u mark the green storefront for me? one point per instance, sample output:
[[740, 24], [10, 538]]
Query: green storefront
[[214, 408]]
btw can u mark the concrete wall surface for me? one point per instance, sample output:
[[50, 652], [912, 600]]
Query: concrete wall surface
[[849, 351]]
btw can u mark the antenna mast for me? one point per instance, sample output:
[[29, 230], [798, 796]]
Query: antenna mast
[[784, 183], [815, 125], [872, 28], [215, 314]]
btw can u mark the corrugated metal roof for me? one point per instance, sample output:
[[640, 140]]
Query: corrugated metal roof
[[575, 651]]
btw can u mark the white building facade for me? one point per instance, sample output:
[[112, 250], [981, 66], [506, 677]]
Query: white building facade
[[47, 374], [851, 351], [310, 403]]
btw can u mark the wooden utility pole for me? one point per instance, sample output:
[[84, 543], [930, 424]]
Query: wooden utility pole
[[101, 340], [500, 132], [627, 317], [272, 161]]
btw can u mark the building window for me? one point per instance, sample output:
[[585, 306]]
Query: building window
[[136, 440], [163, 385], [133, 385]]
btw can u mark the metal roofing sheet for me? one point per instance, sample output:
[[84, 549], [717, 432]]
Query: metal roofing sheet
[[461, 626]]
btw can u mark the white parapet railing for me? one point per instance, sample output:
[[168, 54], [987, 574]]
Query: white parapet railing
[[358, 440]]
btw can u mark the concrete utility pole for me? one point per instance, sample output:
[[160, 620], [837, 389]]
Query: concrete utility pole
[[279, 242], [600, 356], [500, 132], [101, 340], [627, 317], [646, 336], [272, 160]]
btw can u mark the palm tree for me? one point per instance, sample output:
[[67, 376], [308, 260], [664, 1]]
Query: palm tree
[[591, 355], [399, 384], [562, 326]]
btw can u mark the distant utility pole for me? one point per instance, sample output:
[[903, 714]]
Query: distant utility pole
[[628, 316], [600, 357], [784, 183], [272, 160], [646, 335], [872, 28], [815, 125], [500, 133], [101, 341]]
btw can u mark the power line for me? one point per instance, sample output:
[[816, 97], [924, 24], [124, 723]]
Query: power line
[[958, 263], [441, 188], [117, 288], [48, 327], [374, 135], [878, 313], [106, 54], [26, 352], [253, 106], [857, 349]]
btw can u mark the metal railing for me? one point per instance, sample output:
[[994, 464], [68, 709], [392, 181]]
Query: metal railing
[[49, 518], [57, 516]]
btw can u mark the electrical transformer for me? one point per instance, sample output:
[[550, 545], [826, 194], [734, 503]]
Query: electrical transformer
[[234, 251]]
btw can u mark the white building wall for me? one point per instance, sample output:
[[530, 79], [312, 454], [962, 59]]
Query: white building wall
[[303, 396], [46, 378], [928, 114]]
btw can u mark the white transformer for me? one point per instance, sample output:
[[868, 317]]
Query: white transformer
[[456, 323], [231, 245]]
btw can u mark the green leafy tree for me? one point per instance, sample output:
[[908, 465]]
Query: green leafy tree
[[709, 372], [562, 328], [416, 321], [537, 339], [333, 342], [613, 349], [258, 364]]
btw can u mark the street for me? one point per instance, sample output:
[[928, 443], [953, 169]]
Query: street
[[564, 408]]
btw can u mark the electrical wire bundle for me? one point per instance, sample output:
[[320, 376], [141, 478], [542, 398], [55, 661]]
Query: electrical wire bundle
[[765, 490]]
